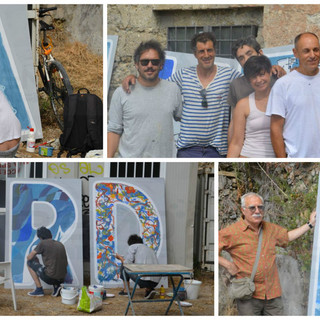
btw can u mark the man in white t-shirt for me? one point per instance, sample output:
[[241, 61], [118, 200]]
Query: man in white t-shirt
[[294, 104]]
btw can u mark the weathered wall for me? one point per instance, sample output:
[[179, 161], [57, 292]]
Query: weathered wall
[[290, 192], [282, 23], [84, 23], [278, 25], [136, 23]]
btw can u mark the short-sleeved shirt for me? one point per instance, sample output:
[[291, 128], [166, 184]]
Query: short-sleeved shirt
[[144, 119], [202, 126], [54, 258], [241, 242], [296, 98]]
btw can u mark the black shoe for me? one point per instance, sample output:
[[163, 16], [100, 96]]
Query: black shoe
[[56, 291], [123, 293]]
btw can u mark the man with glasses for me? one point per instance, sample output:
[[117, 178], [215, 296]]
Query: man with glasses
[[140, 124], [240, 240]]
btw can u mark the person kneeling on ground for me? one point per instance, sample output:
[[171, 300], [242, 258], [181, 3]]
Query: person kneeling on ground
[[55, 263], [139, 253]]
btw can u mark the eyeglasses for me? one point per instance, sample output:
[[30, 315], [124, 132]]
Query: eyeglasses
[[145, 62], [253, 208], [204, 102]]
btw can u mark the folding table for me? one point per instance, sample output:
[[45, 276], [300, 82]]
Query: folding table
[[156, 270]]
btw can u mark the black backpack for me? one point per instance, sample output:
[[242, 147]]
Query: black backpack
[[83, 121]]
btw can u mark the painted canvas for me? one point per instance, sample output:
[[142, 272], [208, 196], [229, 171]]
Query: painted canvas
[[53, 203], [119, 208], [17, 75], [314, 287]]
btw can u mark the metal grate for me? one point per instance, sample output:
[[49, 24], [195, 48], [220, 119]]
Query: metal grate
[[135, 170], [179, 37]]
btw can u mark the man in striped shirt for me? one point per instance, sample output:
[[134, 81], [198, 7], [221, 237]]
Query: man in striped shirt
[[240, 240], [205, 115]]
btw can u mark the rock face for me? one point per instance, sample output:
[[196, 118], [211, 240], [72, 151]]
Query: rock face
[[84, 23], [290, 193]]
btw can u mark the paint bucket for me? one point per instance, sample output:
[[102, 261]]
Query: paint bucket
[[192, 287], [97, 290], [45, 151], [69, 295]]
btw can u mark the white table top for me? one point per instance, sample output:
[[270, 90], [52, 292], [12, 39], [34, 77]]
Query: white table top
[[157, 268]]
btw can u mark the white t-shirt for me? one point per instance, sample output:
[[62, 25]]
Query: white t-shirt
[[296, 98], [10, 127]]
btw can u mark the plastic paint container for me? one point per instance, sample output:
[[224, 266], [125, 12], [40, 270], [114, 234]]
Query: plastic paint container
[[192, 287], [97, 290], [69, 295], [45, 151]]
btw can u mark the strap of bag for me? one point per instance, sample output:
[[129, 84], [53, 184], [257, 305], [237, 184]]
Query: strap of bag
[[88, 92], [255, 266]]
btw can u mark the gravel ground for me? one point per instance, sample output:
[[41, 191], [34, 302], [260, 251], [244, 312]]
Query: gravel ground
[[52, 306]]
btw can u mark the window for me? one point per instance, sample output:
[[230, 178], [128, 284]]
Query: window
[[179, 37], [135, 169]]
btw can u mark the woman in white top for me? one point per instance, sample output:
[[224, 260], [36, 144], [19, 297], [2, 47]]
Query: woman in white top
[[10, 129], [251, 126]]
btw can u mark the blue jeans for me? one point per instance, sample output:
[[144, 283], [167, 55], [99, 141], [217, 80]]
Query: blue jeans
[[199, 152]]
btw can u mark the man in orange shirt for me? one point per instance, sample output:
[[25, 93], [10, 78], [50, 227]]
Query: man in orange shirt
[[240, 240]]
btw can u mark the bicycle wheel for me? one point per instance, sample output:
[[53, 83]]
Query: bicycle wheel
[[60, 88]]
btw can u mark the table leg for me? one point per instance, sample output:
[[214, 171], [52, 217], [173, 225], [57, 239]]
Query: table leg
[[175, 294], [129, 295]]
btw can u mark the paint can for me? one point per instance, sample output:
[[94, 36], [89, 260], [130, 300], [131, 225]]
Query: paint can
[[97, 290], [69, 295], [192, 287], [45, 151]]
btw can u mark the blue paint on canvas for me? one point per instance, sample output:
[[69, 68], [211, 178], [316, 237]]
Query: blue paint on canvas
[[167, 70], [24, 237], [11, 89]]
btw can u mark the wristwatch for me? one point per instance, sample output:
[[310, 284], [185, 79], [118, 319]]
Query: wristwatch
[[309, 224]]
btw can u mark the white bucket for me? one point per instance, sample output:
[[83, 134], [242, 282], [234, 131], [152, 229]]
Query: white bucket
[[96, 290], [192, 287], [69, 295]]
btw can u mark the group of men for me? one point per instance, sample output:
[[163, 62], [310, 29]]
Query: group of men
[[140, 117]]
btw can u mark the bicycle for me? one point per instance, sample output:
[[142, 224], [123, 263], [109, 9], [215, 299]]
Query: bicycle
[[56, 83]]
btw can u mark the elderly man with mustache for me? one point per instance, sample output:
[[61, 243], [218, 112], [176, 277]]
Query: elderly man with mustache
[[240, 240]]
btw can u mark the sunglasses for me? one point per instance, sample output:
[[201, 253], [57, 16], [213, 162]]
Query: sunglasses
[[145, 62], [204, 102], [253, 208]]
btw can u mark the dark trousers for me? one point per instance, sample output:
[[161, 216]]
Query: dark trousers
[[39, 269], [199, 152], [141, 283]]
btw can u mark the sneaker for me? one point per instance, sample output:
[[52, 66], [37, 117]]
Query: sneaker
[[150, 294], [56, 291], [38, 292]]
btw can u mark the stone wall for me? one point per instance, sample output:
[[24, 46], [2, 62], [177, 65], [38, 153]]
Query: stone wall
[[278, 25], [84, 24], [290, 192]]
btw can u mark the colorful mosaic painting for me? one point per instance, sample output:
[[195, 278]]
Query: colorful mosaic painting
[[107, 196]]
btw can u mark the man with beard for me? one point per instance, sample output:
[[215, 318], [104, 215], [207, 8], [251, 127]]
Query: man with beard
[[241, 239], [140, 124], [294, 104]]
